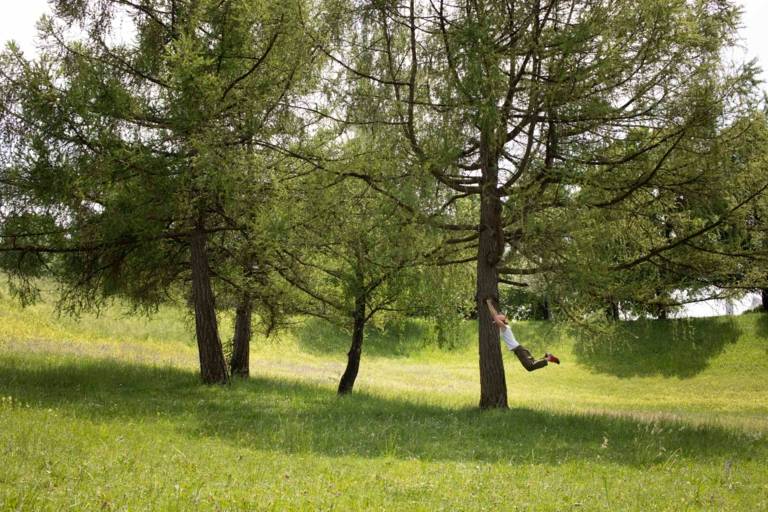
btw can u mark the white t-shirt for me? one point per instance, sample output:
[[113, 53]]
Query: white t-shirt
[[509, 338]]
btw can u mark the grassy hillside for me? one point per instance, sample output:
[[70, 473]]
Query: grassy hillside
[[106, 413]]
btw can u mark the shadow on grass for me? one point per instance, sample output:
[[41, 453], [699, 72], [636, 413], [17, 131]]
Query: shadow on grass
[[398, 339], [761, 322], [672, 348], [289, 417]]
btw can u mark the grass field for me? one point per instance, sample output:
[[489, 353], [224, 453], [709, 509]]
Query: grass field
[[106, 413]]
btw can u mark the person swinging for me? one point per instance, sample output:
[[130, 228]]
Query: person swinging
[[525, 357]]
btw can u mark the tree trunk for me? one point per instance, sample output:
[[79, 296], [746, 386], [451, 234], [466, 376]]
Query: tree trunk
[[213, 369], [355, 350], [241, 342], [493, 385], [764, 296], [541, 310]]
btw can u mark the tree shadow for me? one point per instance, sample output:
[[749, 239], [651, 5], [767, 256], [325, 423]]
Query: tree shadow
[[297, 418], [761, 322], [395, 339], [670, 348]]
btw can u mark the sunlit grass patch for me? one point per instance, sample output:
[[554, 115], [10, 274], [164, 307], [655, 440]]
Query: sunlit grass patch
[[85, 432], [114, 418]]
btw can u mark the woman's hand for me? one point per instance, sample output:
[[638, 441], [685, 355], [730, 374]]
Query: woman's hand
[[500, 321]]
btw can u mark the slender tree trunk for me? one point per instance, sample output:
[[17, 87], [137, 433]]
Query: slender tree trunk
[[662, 311], [213, 369], [241, 342], [493, 385], [612, 310], [355, 350], [541, 310], [764, 296]]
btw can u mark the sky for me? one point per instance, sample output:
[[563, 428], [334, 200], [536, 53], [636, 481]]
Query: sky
[[18, 22], [754, 34]]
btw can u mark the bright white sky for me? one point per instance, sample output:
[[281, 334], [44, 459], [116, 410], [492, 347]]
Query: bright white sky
[[18, 22]]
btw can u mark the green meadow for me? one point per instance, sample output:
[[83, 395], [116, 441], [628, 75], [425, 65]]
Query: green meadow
[[106, 413]]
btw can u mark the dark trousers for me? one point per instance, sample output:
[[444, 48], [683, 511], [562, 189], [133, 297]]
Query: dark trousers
[[527, 360]]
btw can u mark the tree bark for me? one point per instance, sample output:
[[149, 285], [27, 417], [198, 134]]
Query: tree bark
[[493, 385], [241, 342], [764, 297], [662, 311], [541, 310], [355, 350], [213, 368]]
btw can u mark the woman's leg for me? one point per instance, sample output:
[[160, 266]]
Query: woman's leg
[[523, 354], [527, 359]]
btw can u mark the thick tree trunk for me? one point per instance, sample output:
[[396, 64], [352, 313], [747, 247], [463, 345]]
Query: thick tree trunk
[[493, 385], [241, 342], [355, 350], [213, 369]]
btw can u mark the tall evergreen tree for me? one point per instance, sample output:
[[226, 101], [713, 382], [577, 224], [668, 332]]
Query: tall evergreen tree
[[543, 110], [350, 254], [126, 139]]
